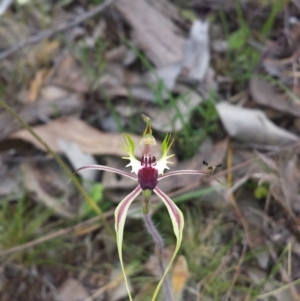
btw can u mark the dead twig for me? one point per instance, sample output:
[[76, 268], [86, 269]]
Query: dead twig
[[46, 34]]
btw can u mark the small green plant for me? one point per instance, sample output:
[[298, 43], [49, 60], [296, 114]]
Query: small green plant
[[242, 56], [96, 194], [261, 191], [204, 124], [19, 223]]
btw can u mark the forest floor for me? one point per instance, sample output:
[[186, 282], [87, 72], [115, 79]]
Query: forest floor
[[223, 77]]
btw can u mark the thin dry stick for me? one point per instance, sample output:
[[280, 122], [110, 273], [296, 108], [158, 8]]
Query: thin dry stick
[[279, 290], [232, 198], [46, 34], [61, 164], [76, 230]]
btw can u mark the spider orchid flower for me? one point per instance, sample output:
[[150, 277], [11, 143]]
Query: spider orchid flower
[[148, 173]]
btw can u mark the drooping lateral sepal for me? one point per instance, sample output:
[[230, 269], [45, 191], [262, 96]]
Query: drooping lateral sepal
[[178, 224], [120, 217]]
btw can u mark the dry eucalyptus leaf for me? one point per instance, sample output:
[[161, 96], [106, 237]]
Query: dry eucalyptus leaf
[[152, 32], [264, 93], [180, 275], [53, 100], [174, 117], [43, 53], [194, 65], [10, 183], [36, 84], [69, 74], [255, 236], [89, 139], [289, 178], [112, 81], [167, 74], [72, 290], [169, 9], [252, 126], [78, 159], [47, 188], [4, 5], [116, 54], [196, 52]]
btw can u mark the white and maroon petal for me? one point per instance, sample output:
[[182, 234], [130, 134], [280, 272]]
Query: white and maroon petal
[[120, 217]]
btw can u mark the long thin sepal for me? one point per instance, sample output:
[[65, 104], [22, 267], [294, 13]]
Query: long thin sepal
[[182, 172], [120, 217], [186, 172], [107, 168], [178, 224]]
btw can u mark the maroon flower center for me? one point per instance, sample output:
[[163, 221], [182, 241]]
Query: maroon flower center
[[147, 175]]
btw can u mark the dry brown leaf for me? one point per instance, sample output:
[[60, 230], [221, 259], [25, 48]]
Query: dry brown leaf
[[52, 101], [169, 9], [78, 159], [196, 52], [112, 80], [70, 76], [180, 275], [89, 139], [289, 176], [252, 126], [10, 182], [36, 84], [152, 32], [255, 231], [173, 118], [42, 53], [167, 74], [42, 182], [266, 94], [72, 290]]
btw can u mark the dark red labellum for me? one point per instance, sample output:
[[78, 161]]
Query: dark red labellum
[[147, 177]]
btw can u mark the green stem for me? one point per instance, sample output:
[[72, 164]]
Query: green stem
[[146, 201], [61, 163]]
